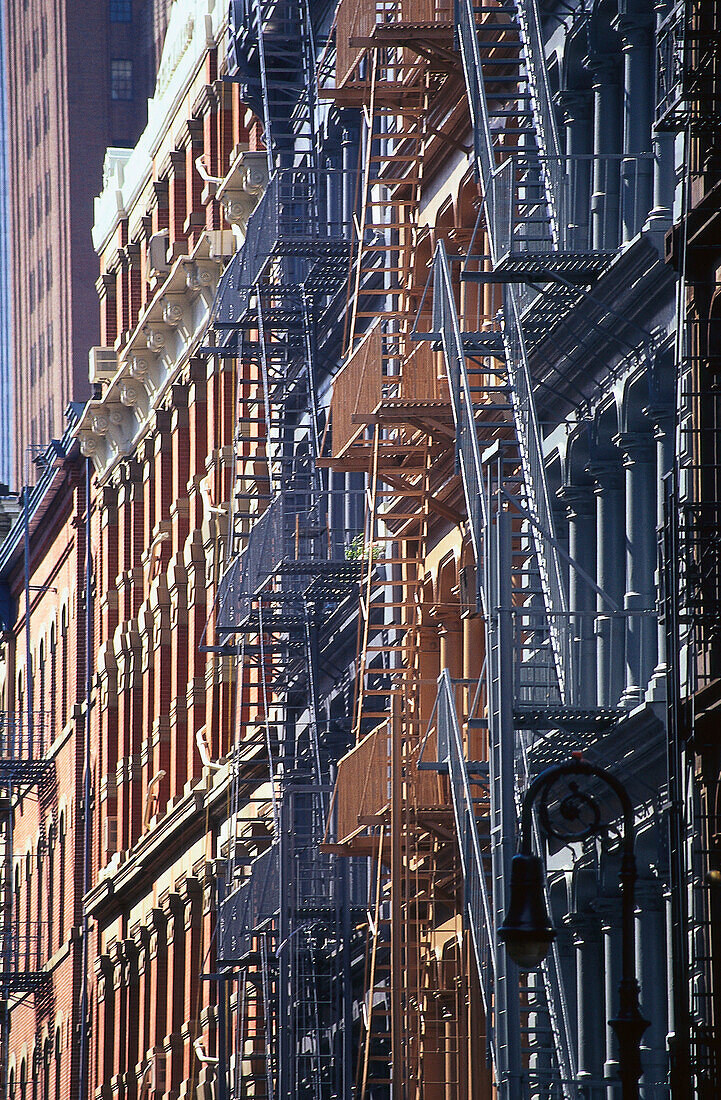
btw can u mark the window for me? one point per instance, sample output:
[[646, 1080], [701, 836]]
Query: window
[[31, 291], [31, 215], [41, 369], [121, 11], [23, 1080], [49, 353], [61, 882], [33, 364], [38, 125], [50, 418], [47, 1062], [46, 111], [49, 275], [28, 136], [36, 51], [48, 194], [121, 79], [44, 34], [58, 1052], [40, 290], [39, 205]]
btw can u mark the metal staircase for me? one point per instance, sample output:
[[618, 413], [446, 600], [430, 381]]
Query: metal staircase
[[287, 930], [273, 55], [530, 676], [25, 737]]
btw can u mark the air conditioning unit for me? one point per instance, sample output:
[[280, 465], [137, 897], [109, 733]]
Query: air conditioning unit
[[158, 254], [221, 243], [102, 365], [158, 1073], [111, 835]]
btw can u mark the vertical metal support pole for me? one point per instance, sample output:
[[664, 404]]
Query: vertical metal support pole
[[397, 1059], [222, 1052], [84, 1022], [681, 1024], [29, 701], [503, 810]]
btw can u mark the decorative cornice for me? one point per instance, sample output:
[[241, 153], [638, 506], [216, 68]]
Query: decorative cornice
[[167, 336]]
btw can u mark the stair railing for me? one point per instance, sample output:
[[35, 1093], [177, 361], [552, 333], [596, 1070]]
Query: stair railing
[[476, 897]]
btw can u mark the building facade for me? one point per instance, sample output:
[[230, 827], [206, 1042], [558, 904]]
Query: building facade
[[43, 676], [396, 489], [66, 103]]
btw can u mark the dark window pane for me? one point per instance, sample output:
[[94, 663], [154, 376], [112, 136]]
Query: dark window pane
[[121, 11], [121, 79]]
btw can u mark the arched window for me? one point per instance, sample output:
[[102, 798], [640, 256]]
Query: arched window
[[58, 1065], [23, 1080], [47, 1062], [16, 902], [41, 720], [52, 703], [64, 669], [61, 883], [16, 731], [25, 927], [51, 888], [11, 1084], [36, 1071], [38, 915]]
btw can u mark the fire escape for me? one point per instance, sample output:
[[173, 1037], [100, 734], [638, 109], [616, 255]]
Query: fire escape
[[689, 104], [25, 736], [531, 246], [286, 914], [391, 420]]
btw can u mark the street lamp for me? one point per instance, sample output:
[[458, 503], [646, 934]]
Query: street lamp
[[527, 931]]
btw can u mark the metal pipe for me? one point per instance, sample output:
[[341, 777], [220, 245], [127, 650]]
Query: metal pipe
[[83, 1090]]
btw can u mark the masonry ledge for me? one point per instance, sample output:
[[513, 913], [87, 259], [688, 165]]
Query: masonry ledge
[[166, 336]]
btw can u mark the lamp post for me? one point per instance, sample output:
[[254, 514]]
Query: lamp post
[[527, 931]]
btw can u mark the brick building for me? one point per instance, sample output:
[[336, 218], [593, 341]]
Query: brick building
[[159, 432], [42, 731], [78, 76]]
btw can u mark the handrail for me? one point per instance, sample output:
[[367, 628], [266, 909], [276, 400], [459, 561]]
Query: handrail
[[446, 325], [476, 899], [534, 477]]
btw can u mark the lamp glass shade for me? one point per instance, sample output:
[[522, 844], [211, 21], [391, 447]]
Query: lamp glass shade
[[527, 930]]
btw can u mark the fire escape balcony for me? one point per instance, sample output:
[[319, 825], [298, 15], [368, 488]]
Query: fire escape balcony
[[25, 738], [294, 882], [687, 51], [296, 235], [249, 910], [412, 27], [401, 395], [25, 947], [597, 198], [295, 556], [362, 795]]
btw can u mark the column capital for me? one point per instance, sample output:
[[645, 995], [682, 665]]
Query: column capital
[[575, 105], [606, 475], [578, 500], [604, 69], [634, 446], [662, 419], [634, 28]]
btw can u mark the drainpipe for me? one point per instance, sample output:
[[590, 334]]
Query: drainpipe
[[605, 215], [83, 1089], [636, 176]]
